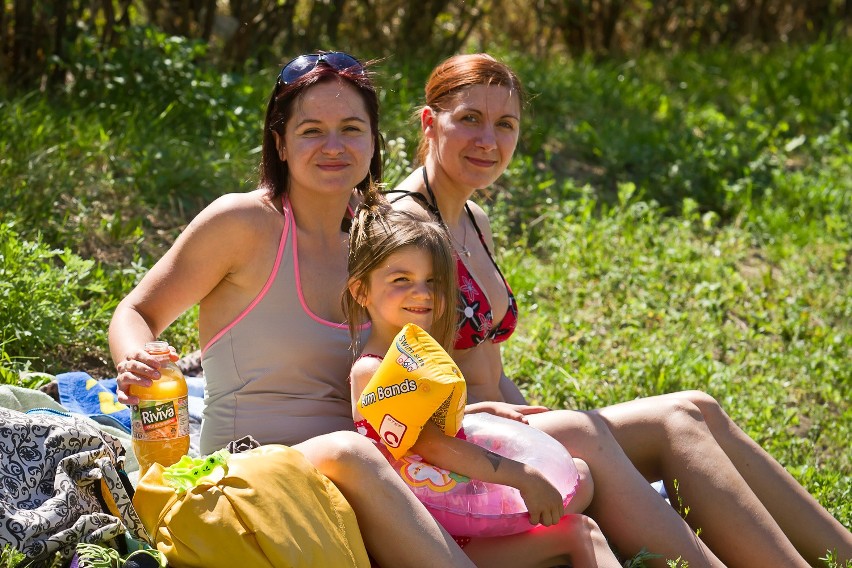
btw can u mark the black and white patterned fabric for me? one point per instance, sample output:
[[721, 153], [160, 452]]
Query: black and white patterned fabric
[[61, 482]]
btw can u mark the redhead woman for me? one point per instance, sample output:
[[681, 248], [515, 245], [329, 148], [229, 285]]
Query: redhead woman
[[267, 269], [751, 512]]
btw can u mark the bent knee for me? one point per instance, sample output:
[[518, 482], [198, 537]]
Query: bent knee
[[679, 414], [584, 473], [339, 452], [585, 489], [590, 525], [700, 399], [581, 529], [708, 405]]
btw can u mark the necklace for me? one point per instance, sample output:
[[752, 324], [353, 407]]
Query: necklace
[[461, 247]]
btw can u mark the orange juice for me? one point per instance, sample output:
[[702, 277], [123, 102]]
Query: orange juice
[[160, 422]]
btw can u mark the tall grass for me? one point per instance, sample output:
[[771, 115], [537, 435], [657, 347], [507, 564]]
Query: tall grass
[[668, 223]]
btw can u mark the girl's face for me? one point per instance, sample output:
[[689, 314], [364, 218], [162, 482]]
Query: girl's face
[[401, 291], [327, 142], [473, 140]]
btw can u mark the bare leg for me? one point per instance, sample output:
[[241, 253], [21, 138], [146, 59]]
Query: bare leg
[[628, 510], [667, 438], [397, 529], [585, 489], [576, 539], [805, 522]]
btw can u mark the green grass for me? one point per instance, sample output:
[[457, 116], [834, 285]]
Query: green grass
[[668, 223], [630, 303]]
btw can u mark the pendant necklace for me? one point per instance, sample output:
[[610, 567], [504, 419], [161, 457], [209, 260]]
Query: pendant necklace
[[461, 247]]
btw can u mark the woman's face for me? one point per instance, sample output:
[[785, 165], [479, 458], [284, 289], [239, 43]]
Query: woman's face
[[473, 140], [327, 141]]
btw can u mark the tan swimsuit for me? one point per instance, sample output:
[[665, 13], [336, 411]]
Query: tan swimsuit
[[277, 372]]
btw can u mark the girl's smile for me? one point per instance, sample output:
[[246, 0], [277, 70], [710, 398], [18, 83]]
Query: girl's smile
[[401, 291]]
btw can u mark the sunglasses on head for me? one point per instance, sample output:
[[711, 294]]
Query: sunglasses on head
[[300, 66]]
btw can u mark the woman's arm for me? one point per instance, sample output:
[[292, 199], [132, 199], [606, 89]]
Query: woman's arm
[[510, 391], [518, 412], [542, 499], [204, 257]]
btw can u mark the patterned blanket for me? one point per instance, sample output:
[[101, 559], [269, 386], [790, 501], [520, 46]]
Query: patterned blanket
[[63, 480]]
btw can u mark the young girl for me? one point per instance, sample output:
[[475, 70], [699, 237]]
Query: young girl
[[401, 270]]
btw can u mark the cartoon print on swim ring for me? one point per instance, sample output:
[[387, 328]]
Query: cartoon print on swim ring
[[418, 473], [469, 507]]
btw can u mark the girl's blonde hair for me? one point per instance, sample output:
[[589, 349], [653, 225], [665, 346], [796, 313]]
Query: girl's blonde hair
[[379, 231]]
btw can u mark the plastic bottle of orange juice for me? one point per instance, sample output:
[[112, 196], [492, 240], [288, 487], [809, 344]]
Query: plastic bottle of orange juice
[[160, 422]]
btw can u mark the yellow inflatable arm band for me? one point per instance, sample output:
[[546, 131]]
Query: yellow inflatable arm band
[[416, 382]]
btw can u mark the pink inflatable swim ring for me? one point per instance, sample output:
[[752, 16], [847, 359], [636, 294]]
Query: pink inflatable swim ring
[[467, 507]]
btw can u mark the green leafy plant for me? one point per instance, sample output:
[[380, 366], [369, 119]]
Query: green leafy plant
[[51, 301], [10, 557]]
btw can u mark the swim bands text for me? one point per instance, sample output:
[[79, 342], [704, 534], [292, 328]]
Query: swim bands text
[[382, 393]]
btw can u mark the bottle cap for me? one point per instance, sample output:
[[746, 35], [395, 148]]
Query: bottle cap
[[157, 347]]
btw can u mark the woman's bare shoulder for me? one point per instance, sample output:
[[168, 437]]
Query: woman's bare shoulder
[[413, 206], [226, 229], [478, 212], [238, 204], [481, 218], [234, 212], [405, 196]]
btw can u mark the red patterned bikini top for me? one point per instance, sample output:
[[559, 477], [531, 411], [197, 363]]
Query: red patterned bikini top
[[476, 322]]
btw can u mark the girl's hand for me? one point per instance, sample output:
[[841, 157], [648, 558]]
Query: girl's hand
[[516, 412], [543, 500], [138, 368]]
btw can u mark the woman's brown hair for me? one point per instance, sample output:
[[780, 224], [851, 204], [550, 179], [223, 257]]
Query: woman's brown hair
[[275, 173]]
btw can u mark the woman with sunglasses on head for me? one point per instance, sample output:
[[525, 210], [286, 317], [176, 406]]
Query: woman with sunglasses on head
[[750, 511], [267, 269]]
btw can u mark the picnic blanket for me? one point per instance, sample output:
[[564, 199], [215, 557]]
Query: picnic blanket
[[63, 479], [79, 393], [29, 400]]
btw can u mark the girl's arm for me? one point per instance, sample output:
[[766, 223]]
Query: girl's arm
[[543, 500]]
